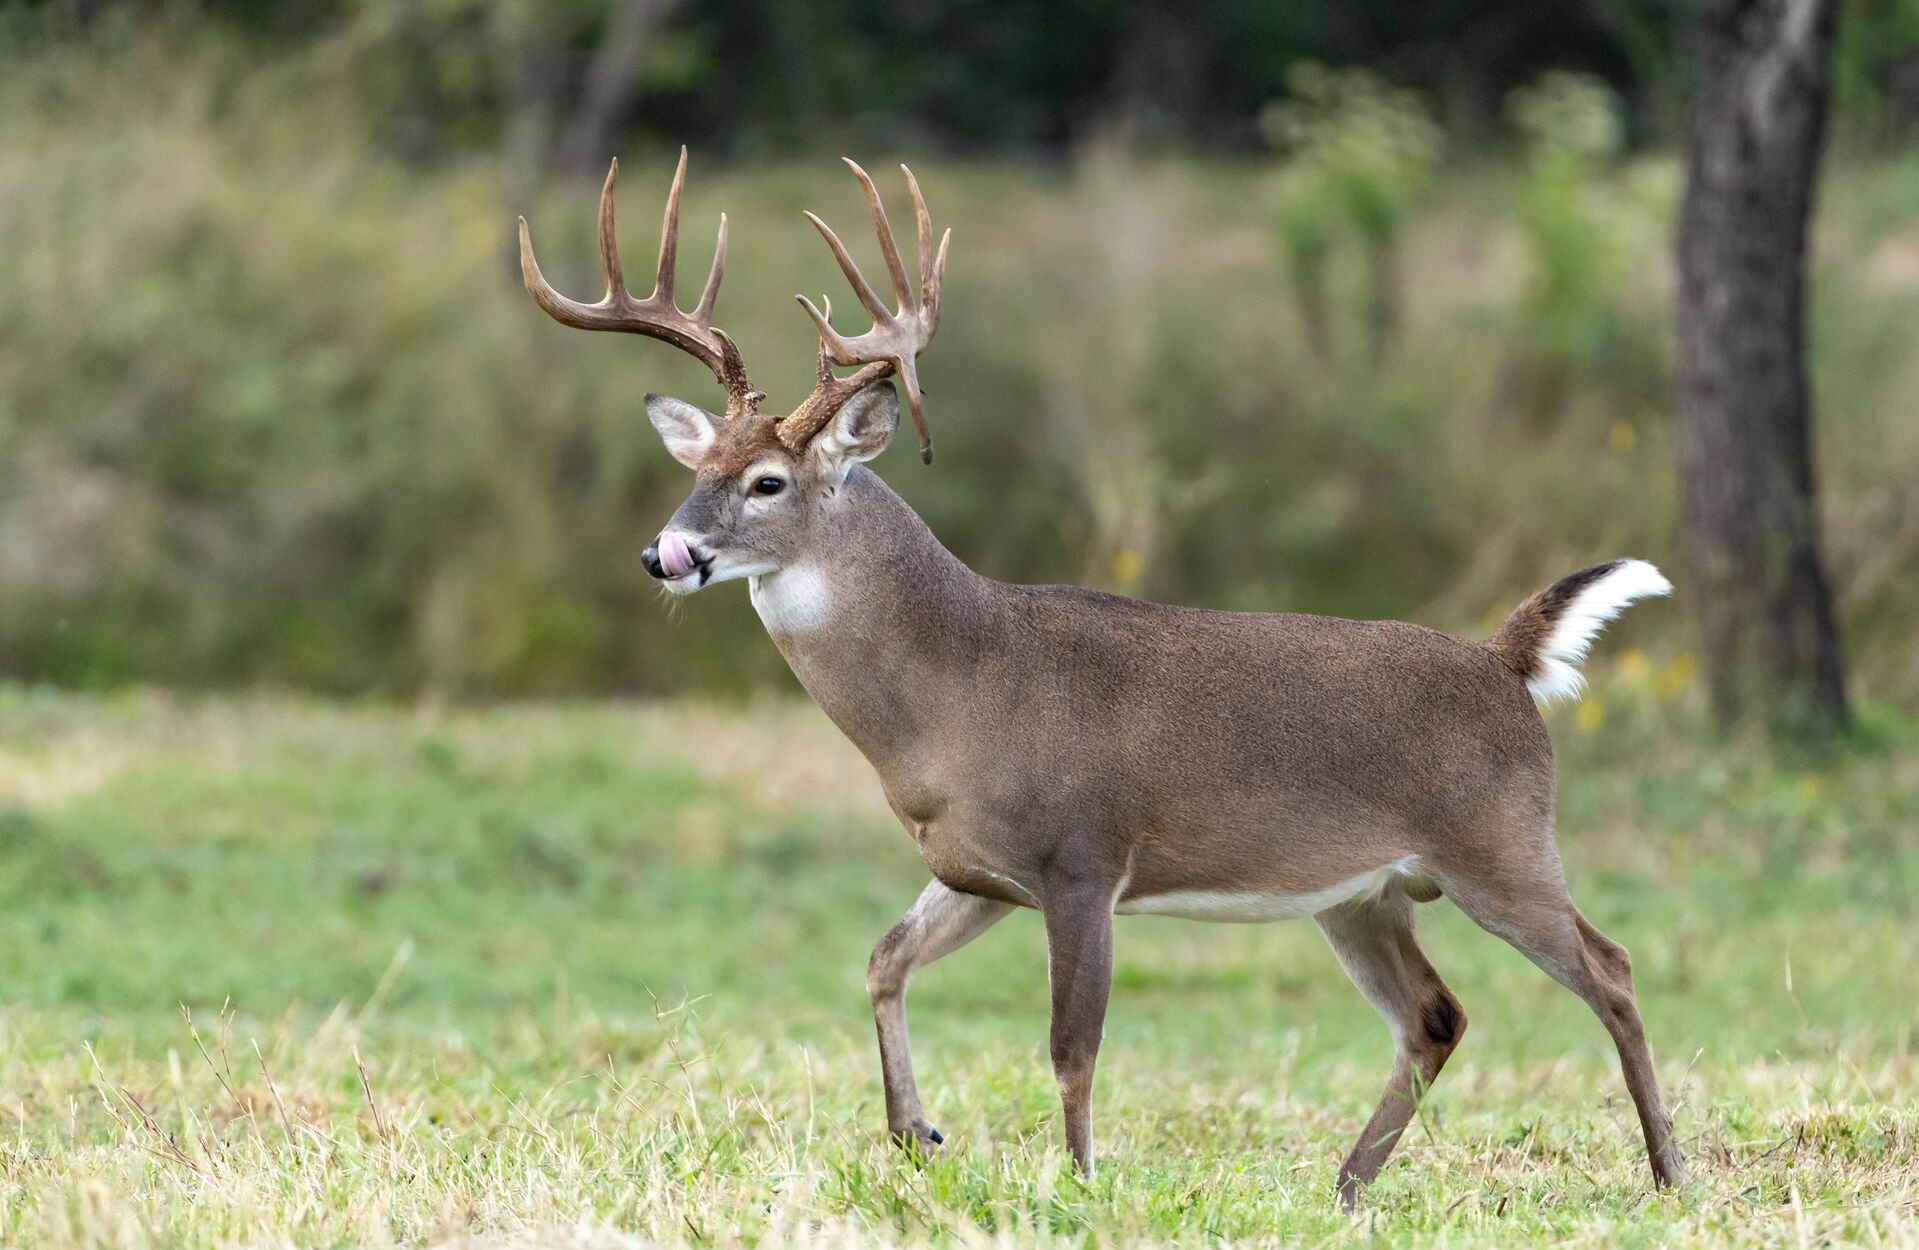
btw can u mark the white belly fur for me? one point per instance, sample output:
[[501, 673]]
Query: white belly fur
[[1244, 908]]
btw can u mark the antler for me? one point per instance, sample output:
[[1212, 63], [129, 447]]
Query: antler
[[896, 338], [656, 316]]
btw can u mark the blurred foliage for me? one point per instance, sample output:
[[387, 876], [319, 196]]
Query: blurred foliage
[[1876, 70], [1375, 146], [273, 407], [1358, 155], [746, 77], [1579, 233], [1568, 121]]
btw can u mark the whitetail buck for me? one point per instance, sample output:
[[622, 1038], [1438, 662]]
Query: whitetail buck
[[1086, 755]]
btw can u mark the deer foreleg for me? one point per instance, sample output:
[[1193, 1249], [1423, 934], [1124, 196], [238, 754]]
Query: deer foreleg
[[942, 921], [1079, 950]]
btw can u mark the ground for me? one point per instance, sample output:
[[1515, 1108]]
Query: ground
[[276, 971]]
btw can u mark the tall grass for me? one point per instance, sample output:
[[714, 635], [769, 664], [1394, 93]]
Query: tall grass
[[273, 407]]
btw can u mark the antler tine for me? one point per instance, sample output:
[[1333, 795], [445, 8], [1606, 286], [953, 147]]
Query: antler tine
[[824, 368], [557, 306], [909, 374], [710, 294], [832, 342], [656, 316], [890, 348], [861, 288], [938, 290], [902, 290], [616, 292], [923, 232], [670, 236]]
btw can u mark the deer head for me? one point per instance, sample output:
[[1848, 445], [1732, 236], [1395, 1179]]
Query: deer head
[[760, 479]]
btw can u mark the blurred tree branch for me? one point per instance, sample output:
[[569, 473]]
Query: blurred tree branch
[[612, 78], [549, 127]]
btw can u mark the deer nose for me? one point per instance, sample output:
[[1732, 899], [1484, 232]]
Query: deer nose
[[669, 557]]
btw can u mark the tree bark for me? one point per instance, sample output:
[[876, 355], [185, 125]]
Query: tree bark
[[1771, 647]]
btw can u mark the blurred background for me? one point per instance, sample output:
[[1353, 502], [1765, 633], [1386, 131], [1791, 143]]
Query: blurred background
[[1351, 309]]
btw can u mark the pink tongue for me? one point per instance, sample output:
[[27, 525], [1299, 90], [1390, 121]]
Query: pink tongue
[[675, 558]]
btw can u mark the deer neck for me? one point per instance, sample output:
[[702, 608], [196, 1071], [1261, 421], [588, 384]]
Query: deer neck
[[877, 619]]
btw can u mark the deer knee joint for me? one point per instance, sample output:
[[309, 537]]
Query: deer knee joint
[[886, 972], [1074, 1078], [1074, 1055]]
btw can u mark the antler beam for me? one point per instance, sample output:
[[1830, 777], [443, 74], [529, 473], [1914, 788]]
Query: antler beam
[[897, 337], [657, 316]]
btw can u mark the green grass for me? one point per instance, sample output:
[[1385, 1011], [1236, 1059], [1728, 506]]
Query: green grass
[[603, 967]]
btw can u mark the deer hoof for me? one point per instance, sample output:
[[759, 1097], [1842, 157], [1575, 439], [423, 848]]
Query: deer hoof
[[922, 1141]]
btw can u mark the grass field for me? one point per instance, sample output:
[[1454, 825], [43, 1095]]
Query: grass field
[[593, 974]]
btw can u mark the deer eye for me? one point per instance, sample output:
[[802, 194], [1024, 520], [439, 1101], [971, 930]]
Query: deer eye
[[769, 486]]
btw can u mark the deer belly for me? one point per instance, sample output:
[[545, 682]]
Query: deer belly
[[1256, 907]]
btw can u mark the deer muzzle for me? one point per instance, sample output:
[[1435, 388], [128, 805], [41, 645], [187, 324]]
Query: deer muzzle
[[670, 557]]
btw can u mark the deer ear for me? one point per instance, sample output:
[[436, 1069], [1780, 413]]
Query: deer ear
[[687, 431], [862, 428]]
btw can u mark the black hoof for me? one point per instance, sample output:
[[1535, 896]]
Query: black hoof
[[921, 1143]]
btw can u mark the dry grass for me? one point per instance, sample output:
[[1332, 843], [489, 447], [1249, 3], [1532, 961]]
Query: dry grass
[[678, 1143]]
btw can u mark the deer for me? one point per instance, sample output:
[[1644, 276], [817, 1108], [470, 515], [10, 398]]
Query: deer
[[1089, 755]]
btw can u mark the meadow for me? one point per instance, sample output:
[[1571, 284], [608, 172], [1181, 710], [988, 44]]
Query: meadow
[[278, 971]]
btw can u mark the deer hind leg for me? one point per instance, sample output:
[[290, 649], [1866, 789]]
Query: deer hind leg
[[1373, 939], [942, 921], [1541, 922]]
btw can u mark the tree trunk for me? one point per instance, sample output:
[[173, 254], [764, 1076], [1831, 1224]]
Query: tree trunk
[[1751, 534]]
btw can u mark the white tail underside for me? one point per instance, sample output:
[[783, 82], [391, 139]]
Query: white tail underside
[[1573, 633]]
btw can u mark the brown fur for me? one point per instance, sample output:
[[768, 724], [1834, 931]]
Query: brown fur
[[1525, 632], [1060, 748]]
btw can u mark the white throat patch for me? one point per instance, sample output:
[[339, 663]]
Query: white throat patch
[[791, 601]]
